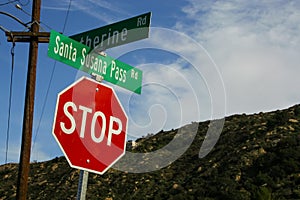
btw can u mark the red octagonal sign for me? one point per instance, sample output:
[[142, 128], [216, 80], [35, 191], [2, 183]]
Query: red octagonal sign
[[90, 125]]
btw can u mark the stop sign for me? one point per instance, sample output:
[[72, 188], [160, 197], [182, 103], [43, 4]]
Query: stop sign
[[90, 125]]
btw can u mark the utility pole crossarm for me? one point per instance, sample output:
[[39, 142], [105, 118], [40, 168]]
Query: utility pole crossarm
[[42, 37]]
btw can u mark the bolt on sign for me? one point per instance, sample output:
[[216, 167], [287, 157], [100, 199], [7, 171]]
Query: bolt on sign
[[77, 55]]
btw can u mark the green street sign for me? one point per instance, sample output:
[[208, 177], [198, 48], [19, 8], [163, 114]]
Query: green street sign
[[77, 55], [114, 71], [66, 50], [116, 34]]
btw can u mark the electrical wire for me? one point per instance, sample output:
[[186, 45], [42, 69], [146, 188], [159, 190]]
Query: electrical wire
[[51, 78], [24, 4], [12, 51], [9, 2], [27, 13], [67, 16]]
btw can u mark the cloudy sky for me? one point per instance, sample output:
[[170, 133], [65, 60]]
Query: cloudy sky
[[203, 60]]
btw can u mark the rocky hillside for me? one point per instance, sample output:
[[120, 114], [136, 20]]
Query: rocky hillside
[[256, 157]]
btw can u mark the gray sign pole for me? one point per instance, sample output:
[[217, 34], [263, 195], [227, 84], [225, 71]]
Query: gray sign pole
[[83, 176], [82, 185]]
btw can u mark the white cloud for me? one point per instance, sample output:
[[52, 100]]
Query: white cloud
[[38, 153], [256, 47], [98, 9], [175, 91], [13, 153], [167, 101]]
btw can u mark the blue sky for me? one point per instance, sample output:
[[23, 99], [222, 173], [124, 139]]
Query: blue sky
[[203, 60]]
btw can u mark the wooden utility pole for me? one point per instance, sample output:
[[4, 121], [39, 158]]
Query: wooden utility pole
[[22, 184], [34, 37]]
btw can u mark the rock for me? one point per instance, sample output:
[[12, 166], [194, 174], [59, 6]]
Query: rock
[[199, 169], [293, 120], [175, 186]]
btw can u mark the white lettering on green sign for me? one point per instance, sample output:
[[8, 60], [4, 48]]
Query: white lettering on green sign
[[77, 55], [116, 34], [105, 39], [65, 50], [99, 65]]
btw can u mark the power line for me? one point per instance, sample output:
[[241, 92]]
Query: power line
[[10, 97], [51, 78], [9, 2], [24, 4], [67, 16], [18, 6]]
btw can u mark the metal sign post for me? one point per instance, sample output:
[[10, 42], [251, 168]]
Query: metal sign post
[[84, 175], [82, 184]]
